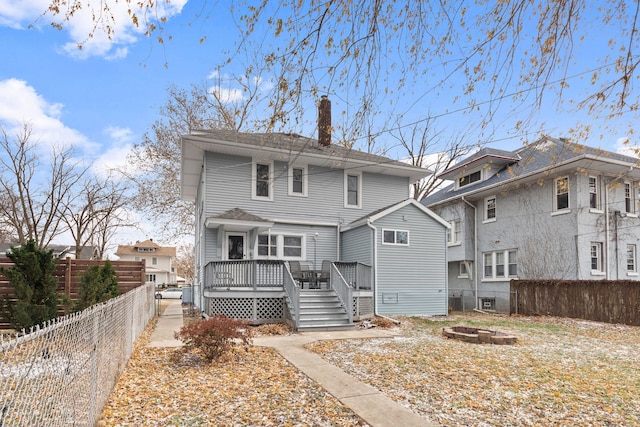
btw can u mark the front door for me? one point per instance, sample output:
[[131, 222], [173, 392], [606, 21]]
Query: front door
[[236, 247]]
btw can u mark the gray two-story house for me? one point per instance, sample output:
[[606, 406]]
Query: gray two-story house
[[550, 210], [290, 228]]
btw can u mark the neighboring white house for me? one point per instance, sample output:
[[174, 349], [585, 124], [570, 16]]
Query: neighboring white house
[[158, 260], [550, 210]]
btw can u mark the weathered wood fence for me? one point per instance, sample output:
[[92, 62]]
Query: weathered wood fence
[[611, 301], [131, 274]]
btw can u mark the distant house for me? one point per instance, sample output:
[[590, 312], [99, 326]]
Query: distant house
[[552, 209], [297, 229], [158, 260], [59, 251]]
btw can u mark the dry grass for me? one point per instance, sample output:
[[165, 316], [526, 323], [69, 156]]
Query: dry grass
[[562, 372]]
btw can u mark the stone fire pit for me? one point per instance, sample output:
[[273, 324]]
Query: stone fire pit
[[478, 335]]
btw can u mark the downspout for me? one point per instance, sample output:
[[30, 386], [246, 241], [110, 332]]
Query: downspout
[[375, 273], [475, 248]]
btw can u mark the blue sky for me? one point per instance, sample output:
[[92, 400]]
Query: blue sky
[[104, 97]]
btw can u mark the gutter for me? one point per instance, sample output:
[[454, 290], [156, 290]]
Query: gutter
[[475, 248]]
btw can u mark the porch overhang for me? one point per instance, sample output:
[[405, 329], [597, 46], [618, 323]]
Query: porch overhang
[[237, 225]]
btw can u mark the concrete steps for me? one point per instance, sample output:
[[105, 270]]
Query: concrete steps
[[321, 310]]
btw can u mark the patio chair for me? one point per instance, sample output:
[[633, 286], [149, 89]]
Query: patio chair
[[298, 274], [325, 273]]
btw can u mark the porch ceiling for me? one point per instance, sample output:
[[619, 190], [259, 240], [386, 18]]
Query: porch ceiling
[[237, 225]]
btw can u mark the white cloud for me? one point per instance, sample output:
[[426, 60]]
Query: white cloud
[[626, 147], [20, 104], [115, 158], [81, 25], [228, 95]]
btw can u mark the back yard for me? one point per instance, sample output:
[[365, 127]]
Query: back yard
[[561, 372]]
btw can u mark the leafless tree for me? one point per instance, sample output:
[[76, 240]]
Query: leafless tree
[[96, 212], [35, 195], [185, 262]]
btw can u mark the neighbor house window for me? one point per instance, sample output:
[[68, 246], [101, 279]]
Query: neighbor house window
[[454, 233], [463, 271], [500, 264], [267, 245], [262, 178], [469, 179], [154, 261], [298, 181], [352, 190], [596, 257], [395, 237], [628, 198], [150, 278], [594, 199], [137, 258], [561, 193], [490, 208], [631, 259]]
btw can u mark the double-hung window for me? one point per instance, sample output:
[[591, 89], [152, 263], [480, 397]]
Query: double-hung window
[[469, 179], [282, 246], [262, 180], [352, 190], [395, 237], [597, 266], [298, 181], [594, 196], [500, 264], [490, 208], [454, 233], [628, 198], [561, 191], [632, 268]]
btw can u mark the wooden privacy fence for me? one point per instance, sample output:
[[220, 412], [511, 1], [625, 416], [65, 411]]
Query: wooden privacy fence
[[611, 301], [130, 274]]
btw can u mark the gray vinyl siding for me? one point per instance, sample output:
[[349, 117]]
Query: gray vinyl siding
[[357, 245], [412, 280], [228, 183]]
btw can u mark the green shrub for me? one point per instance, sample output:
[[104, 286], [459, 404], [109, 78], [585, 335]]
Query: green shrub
[[214, 336], [35, 297], [98, 284]]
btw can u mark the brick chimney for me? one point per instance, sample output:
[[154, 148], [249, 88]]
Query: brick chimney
[[324, 121]]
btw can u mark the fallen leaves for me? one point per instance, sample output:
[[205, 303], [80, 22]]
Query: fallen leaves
[[562, 372], [257, 388]]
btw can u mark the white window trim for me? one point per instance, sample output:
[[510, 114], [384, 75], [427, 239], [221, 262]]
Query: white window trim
[[494, 265], [455, 225], [254, 178], [346, 189], [600, 271], [632, 201], [557, 211], [461, 275], [395, 237], [305, 180], [280, 247], [597, 209], [257, 252], [486, 209], [633, 272]]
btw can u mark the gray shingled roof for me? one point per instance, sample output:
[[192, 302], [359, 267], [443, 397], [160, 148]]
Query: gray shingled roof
[[538, 156], [240, 215], [297, 144]]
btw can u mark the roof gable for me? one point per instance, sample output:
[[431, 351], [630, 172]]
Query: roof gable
[[380, 213]]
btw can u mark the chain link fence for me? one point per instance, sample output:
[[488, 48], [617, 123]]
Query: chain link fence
[[61, 374], [464, 300]]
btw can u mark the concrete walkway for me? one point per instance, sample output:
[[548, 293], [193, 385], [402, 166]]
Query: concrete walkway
[[372, 406]]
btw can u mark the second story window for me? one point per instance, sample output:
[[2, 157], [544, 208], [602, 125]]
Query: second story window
[[353, 190], [561, 190], [453, 233], [297, 181], [154, 261], [594, 199], [395, 237], [490, 208], [262, 180], [628, 198]]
